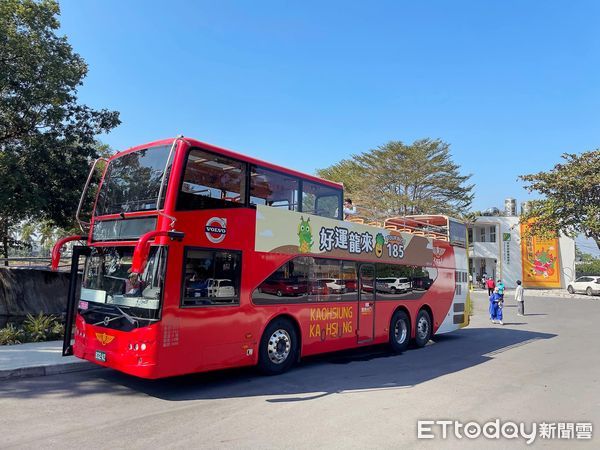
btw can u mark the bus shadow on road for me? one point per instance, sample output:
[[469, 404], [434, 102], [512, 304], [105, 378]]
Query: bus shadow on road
[[372, 368], [367, 369]]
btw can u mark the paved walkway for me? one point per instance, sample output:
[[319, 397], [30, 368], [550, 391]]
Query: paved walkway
[[37, 359]]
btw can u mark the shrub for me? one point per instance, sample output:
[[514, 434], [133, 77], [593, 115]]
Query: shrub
[[39, 328], [35, 329], [11, 335], [57, 331]]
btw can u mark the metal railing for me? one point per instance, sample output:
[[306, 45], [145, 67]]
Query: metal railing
[[41, 262], [381, 219]]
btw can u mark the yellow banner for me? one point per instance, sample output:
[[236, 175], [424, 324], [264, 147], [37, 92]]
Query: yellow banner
[[541, 263]]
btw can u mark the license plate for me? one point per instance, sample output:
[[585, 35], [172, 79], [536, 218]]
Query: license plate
[[100, 356]]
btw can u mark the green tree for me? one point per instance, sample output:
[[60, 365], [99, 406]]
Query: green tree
[[588, 268], [582, 256], [396, 178], [571, 202], [47, 138]]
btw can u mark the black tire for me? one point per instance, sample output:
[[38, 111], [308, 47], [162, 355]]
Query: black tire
[[399, 331], [589, 292], [279, 294], [571, 290], [393, 290], [423, 328], [278, 347]]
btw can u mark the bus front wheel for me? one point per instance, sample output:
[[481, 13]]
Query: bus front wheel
[[423, 331], [278, 347], [399, 331]]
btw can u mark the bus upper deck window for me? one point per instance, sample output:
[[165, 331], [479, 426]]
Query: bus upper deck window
[[211, 181], [321, 200], [273, 189]]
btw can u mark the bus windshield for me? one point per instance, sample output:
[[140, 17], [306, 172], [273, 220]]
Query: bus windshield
[[132, 181], [108, 284]]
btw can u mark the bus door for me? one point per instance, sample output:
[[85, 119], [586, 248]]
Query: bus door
[[366, 303]]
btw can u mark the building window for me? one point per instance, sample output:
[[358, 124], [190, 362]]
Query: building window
[[493, 233], [481, 234], [211, 277]]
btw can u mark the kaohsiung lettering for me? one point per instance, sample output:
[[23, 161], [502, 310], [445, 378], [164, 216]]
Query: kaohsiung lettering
[[331, 313]]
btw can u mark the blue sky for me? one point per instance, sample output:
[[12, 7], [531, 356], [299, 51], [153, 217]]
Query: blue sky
[[510, 85]]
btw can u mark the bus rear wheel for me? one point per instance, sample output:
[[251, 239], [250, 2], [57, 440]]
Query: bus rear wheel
[[278, 347], [399, 331], [423, 331]]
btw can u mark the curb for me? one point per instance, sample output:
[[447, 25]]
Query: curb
[[42, 371]]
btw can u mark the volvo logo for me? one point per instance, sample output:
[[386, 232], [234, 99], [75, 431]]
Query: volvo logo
[[438, 253], [106, 320], [216, 229]]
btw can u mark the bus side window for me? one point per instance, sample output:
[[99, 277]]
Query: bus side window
[[321, 200], [211, 277], [211, 181], [273, 189]]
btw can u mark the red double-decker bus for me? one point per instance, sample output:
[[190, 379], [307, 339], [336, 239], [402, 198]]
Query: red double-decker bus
[[198, 258]]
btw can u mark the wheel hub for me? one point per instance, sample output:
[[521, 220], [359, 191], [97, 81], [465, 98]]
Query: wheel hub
[[423, 328], [279, 346], [400, 332]]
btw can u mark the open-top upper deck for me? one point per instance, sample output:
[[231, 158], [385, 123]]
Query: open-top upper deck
[[439, 227]]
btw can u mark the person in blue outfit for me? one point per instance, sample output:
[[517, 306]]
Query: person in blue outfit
[[500, 286], [496, 304]]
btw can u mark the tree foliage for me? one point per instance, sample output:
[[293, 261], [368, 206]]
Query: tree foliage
[[588, 268], [571, 202], [47, 138], [396, 178]]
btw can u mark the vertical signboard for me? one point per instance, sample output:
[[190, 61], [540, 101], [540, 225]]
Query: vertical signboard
[[541, 263], [506, 237]]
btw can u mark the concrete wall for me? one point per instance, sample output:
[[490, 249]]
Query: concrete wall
[[24, 291], [567, 260], [485, 250]]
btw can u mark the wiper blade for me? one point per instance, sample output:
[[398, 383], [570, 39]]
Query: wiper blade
[[131, 320]]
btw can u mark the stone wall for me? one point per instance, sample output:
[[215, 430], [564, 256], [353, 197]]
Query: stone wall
[[24, 291]]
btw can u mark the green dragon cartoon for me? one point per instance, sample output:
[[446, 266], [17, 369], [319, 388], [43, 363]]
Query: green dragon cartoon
[[305, 238]]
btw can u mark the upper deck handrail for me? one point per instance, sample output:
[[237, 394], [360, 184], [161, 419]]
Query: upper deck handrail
[[408, 224]]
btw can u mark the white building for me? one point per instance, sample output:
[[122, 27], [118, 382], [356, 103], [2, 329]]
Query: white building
[[496, 250]]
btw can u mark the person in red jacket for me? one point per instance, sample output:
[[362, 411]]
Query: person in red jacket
[[490, 285]]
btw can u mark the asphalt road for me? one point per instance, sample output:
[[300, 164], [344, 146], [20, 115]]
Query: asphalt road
[[544, 367]]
